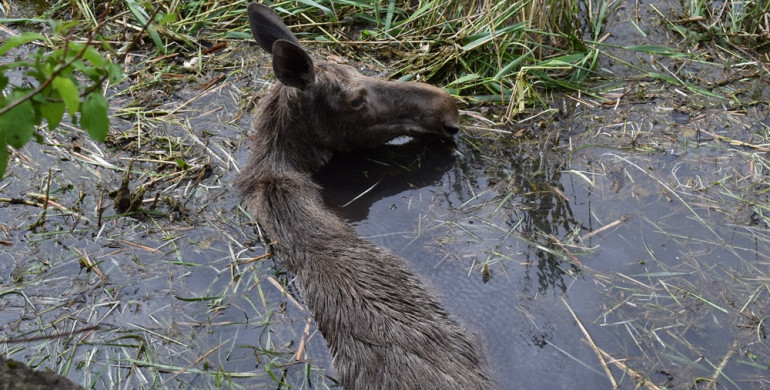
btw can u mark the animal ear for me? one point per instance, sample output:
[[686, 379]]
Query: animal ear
[[292, 65], [267, 27]]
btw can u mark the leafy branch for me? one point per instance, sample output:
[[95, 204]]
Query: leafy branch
[[59, 90]]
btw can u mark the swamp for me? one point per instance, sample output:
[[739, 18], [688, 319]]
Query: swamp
[[602, 220]]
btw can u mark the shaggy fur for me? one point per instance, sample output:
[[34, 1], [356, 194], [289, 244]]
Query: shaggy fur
[[385, 329]]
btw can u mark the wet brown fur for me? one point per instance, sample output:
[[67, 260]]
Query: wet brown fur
[[385, 328]]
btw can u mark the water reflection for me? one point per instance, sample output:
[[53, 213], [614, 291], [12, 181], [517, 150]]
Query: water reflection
[[352, 182], [452, 213], [525, 177]]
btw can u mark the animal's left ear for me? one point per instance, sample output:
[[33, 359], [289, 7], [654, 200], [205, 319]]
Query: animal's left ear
[[292, 65], [268, 27]]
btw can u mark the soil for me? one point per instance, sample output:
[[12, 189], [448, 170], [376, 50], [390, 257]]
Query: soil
[[17, 376]]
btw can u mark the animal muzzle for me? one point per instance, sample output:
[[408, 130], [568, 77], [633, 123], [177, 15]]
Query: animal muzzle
[[451, 128]]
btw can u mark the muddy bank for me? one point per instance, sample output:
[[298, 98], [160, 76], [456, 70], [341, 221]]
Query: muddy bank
[[17, 376]]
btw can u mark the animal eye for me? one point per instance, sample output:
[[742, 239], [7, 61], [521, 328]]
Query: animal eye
[[358, 102]]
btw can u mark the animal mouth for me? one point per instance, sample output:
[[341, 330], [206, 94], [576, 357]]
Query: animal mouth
[[451, 129], [415, 129]]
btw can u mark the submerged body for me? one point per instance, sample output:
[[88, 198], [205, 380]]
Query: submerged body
[[384, 328]]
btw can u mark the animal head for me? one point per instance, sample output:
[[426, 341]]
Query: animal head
[[345, 109]]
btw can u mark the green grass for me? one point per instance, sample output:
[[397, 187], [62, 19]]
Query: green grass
[[507, 52], [476, 49], [482, 51], [741, 23]]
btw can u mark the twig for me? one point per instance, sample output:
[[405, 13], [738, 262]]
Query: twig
[[126, 49], [736, 142], [723, 363], [605, 227], [254, 259], [303, 341], [283, 290], [20, 201], [140, 246], [47, 198], [366, 191], [593, 345], [39, 204], [86, 260], [641, 379], [564, 248], [50, 336]]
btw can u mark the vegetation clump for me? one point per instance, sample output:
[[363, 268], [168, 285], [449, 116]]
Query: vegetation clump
[[54, 88]]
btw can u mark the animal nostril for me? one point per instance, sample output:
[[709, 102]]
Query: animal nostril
[[451, 129]]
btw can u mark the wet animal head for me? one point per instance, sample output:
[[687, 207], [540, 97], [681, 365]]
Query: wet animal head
[[342, 108]]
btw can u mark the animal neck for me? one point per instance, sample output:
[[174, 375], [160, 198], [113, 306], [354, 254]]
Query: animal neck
[[276, 182], [286, 139]]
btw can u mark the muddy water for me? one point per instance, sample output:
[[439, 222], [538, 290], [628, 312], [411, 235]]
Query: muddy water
[[446, 229], [496, 206], [652, 237], [171, 286]]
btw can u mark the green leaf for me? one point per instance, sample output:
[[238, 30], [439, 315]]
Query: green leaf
[[74, 49], [565, 60], [89, 71], [168, 18], [477, 40], [181, 163], [115, 72], [93, 56], [17, 41], [465, 79], [52, 112], [389, 15], [137, 11], [426, 7], [69, 93], [142, 17], [238, 35], [18, 124], [329, 13], [93, 116], [513, 64], [705, 92], [63, 28]]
